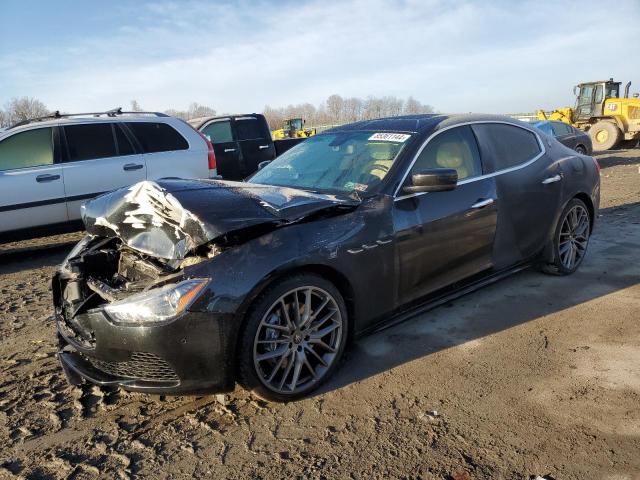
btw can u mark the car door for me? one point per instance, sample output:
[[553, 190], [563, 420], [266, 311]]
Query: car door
[[564, 133], [220, 133], [167, 152], [528, 184], [31, 180], [444, 237], [255, 142], [99, 158]]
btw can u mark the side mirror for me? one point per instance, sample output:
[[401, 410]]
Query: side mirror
[[261, 165], [433, 180]]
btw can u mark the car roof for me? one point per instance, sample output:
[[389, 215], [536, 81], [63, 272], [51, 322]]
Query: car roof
[[200, 121], [81, 119], [420, 123]]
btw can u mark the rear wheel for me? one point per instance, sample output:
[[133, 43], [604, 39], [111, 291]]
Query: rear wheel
[[293, 338], [581, 150], [605, 135], [570, 240]]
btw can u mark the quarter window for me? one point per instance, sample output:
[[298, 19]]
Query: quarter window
[[32, 148], [90, 141], [504, 146], [219, 132], [455, 148], [157, 137]]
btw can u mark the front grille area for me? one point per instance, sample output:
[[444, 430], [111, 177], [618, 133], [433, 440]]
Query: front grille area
[[142, 366]]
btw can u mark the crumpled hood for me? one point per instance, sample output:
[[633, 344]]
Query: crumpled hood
[[169, 218]]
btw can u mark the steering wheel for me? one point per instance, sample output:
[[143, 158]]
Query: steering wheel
[[375, 167]]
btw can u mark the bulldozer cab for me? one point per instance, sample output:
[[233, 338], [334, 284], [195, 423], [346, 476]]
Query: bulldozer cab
[[591, 97], [293, 124]]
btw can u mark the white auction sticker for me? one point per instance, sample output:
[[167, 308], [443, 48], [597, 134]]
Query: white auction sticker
[[389, 137]]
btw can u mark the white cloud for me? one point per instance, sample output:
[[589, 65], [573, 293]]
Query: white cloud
[[457, 56]]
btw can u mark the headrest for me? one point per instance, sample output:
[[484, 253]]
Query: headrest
[[450, 155]]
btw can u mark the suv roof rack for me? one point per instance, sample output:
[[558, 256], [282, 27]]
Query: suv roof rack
[[109, 113]]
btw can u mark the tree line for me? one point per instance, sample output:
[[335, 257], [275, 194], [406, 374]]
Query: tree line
[[335, 110]]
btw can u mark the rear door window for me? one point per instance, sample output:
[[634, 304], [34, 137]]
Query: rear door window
[[250, 128], [561, 129], [455, 148], [505, 146], [157, 137], [124, 145], [219, 132], [32, 148], [90, 141]]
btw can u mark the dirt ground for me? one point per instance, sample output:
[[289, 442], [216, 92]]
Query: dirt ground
[[533, 376]]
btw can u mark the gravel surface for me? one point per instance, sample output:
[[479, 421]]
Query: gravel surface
[[535, 375]]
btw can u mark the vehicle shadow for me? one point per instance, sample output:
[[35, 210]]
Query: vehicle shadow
[[521, 298], [614, 158]]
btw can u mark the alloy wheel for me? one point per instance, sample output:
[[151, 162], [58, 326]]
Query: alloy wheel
[[297, 340], [574, 237]]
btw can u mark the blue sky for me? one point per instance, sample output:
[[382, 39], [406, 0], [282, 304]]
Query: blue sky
[[459, 56]]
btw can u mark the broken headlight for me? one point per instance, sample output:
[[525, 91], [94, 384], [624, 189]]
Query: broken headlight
[[156, 305]]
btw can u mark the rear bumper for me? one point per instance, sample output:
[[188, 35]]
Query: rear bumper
[[187, 355]]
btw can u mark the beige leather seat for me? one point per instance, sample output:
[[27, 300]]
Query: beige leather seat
[[452, 155]]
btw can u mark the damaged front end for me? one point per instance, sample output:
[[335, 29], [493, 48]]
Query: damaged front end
[[122, 295]]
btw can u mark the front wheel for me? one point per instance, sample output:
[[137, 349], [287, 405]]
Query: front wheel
[[570, 239], [293, 338], [605, 135]]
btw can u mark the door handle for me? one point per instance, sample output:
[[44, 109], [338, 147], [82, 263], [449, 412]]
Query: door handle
[[47, 178], [482, 203], [227, 150], [132, 166], [262, 147], [554, 179]]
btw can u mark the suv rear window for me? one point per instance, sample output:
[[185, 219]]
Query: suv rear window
[[32, 148], [157, 137], [250, 128], [89, 141], [504, 146]]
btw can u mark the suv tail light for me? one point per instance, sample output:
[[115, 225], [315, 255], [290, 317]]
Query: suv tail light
[[211, 155]]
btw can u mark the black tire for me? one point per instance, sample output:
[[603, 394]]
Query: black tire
[[254, 327], [581, 150], [558, 265], [608, 133]]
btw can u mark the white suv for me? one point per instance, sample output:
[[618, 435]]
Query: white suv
[[50, 166]]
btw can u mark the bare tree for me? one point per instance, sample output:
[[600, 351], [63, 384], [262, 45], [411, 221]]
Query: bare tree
[[24, 108], [195, 110], [335, 105], [135, 106]]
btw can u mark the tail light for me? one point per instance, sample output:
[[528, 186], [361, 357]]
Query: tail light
[[211, 155]]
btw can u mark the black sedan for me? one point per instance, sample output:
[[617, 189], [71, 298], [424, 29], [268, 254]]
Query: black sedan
[[568, 135], [185, 286]]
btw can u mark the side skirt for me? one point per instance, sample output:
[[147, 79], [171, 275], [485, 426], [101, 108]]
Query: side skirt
[[440, 299]]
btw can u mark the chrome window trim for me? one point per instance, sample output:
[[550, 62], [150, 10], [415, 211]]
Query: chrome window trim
[[471, 179]]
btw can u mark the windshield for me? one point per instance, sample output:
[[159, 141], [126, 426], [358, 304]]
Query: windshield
[[335, 162]]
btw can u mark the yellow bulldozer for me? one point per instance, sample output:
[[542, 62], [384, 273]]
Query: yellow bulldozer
[[610, 118], [293, 128]]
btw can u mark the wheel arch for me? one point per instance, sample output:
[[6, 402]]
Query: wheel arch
[[586, 199]]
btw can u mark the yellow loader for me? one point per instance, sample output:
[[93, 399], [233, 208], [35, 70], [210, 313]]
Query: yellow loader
[[293, 128], [610, 119]]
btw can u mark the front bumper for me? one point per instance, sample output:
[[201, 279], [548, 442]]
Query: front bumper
[[187, 355]]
